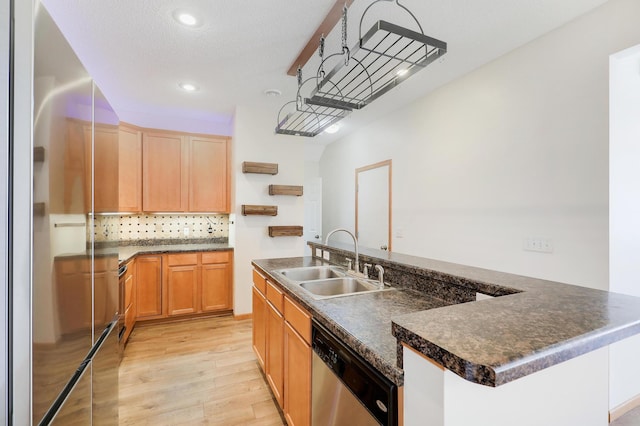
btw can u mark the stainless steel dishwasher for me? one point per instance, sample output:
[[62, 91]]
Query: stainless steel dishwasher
[[346, 390]]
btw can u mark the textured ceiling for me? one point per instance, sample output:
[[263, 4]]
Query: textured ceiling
[[138, 53]]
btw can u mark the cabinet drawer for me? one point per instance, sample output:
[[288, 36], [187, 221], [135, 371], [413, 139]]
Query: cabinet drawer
[[182, 259], [68, 266], [216, 257], [260, 282], [299, 319], [275, 296]]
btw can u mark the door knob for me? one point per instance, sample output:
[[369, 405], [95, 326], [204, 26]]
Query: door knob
[[384, 247], [317, 236]]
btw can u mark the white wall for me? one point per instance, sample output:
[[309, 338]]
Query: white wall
[[560, 395], [624, 211], [518, 148], [254, 140]]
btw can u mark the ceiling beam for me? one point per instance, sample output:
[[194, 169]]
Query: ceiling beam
[[330, 21]]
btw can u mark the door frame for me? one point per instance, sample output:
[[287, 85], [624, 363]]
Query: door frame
[[371, 167]]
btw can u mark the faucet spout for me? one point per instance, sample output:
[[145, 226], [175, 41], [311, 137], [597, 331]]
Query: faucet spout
[[356, 268]]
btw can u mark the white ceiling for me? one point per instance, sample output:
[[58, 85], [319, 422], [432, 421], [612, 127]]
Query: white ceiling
[[138, 53]]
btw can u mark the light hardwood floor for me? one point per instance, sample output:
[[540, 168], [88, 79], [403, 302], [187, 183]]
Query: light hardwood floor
[[197, 372]]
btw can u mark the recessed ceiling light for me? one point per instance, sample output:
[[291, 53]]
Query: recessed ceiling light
[[272, 93], [188, 87], [332, 129], [185, 18], [402, 72]]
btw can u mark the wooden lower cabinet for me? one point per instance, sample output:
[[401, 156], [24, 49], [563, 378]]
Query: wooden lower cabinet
[[83, 296], [215, 290], [282, 343], [149, 287], [297, 378], [275, 353], [129, 302], [182, 283], [182, 290], [185, 284], [259, 318]]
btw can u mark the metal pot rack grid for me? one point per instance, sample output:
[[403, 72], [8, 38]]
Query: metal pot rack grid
[[308, 120], [385, 56]]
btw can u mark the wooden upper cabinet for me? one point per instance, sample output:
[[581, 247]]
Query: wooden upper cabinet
[[209, 174], [105, 168], [130, 169], [164, 172]]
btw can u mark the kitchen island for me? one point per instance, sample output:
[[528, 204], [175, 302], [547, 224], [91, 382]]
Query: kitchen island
[[534, 340]]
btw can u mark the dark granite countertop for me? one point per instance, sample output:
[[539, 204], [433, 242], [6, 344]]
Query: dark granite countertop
[[362, 321], [534, 324], [126, 253]]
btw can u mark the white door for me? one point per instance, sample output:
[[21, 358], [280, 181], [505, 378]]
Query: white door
[[312, 212], [373, 205]]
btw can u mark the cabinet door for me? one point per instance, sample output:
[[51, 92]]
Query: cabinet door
[[216, 288], [130, 169], [275, 352], [105, 169], [73, 297], [148, 286], [259, 318], [209, 174], [182, 289], [164, 172], [297, 378]]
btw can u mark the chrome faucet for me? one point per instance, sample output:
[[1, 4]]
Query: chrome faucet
[[356, 267], [380, 270]]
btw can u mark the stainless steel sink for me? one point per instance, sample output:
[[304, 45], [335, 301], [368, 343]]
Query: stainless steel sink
[[323, 282], [343, 286], [310, 273]]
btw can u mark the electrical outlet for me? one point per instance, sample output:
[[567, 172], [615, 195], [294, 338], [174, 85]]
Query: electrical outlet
[[325, 255], [539, 244], [186, 231]]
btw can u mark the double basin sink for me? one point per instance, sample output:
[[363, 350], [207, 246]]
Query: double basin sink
[[323, 282]]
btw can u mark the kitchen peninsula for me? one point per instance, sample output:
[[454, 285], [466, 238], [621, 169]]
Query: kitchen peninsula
[[533, 353]]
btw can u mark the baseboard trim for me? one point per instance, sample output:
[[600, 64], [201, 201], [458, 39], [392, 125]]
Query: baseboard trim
[[241, 317], [624, 408]]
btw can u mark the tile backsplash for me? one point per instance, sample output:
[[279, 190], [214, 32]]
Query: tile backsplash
[[159, 227]]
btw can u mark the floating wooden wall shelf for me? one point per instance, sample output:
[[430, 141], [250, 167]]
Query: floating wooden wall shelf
[[259, 210], [285, 231], [38, 154], [285, 190], [38, 209], [262, 168]]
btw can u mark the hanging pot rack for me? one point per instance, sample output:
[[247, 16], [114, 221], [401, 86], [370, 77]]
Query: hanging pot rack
[[385, 56], [304, 118]]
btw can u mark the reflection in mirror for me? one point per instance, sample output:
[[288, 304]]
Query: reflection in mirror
[[373, 205], [62, 308]]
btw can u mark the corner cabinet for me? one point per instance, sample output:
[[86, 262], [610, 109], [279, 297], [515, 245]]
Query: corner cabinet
[[282, 343], [185, 173]]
